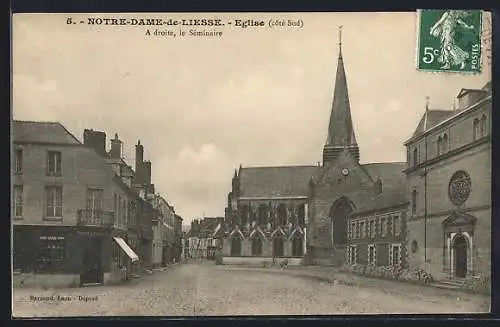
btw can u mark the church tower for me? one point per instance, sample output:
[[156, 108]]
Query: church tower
[[340, 129]]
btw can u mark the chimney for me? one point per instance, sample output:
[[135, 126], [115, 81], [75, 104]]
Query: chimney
[[468, 97], [116, 148], [95, 140], [139, 163]]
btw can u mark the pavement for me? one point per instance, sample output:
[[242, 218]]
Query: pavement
[[204, 289]]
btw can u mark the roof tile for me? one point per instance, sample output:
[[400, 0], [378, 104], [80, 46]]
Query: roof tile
[[276, 181], [46, 132]]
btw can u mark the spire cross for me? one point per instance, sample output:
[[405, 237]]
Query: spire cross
[[340, 34]]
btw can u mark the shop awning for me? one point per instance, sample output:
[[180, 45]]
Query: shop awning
[[167, 225], [131, 254]]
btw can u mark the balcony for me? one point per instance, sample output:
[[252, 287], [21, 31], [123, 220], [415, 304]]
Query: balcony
[[95, 218]]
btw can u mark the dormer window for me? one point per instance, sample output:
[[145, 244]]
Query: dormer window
[[378, 186]]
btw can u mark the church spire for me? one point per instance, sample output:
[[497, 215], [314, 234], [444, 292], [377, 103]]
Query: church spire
[[340, 129]]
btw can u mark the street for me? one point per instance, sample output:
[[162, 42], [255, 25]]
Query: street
[[197, 289]]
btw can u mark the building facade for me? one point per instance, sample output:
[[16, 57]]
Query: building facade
[[302, 213], [449, 184], [80, 214], [178, 244], [64, 215]]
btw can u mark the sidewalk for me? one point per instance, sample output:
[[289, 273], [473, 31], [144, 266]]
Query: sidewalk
[[332, 275]]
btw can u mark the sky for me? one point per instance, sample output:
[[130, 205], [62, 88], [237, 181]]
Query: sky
[[203, 106]]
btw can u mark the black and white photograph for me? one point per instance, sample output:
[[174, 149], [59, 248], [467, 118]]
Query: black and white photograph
[[251, 164]]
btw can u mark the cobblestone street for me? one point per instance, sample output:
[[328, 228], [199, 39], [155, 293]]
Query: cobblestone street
[[205, 289]]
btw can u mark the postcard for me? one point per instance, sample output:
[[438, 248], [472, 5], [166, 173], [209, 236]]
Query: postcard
[[251, 164]]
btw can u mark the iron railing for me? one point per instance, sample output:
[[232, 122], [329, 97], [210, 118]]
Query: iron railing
[[93, 217]]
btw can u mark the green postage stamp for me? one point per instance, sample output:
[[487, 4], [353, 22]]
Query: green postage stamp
[[449, 40]]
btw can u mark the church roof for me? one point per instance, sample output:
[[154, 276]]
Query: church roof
[[276, 181], [431, 118], [340, 128], [394, 190], [42, 132]]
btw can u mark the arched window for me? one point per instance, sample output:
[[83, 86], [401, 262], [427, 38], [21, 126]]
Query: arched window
[[282, 215], [236, 246], [262, 214], [477, 130], [278, 246], [256, 245], [445, 143], [297, 245], [415, 157], [483, 126], [301, 217], [439, 146]]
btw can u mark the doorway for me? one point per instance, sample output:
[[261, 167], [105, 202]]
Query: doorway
[[339, 213], [92, 262], [460, 247]]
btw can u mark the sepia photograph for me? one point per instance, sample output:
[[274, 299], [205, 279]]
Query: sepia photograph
[[251, 164]]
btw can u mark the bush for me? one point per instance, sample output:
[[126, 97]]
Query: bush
[[480, 284], [389, 272]]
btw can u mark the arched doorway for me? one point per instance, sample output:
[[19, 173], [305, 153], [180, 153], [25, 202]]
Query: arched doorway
[[278, 247], [460, 247], [236, 246], [339, 213], [297, 245], [256, 246]]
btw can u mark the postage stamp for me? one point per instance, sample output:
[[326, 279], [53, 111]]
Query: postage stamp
[[449, 40]]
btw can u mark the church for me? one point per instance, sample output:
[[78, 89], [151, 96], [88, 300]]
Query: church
[[340, 210]]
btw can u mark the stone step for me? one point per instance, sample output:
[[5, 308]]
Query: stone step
[[450, 283]]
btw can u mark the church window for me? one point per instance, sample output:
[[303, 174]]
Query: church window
[[262, 214], [415, 157], [282, 214], [362, 226], [353, 229], [445, 143], [302, 215], [414, 203], [483, 126], [477, 127], [439, 146]]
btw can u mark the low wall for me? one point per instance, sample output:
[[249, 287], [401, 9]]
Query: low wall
[[259, 261], [45, 280]]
